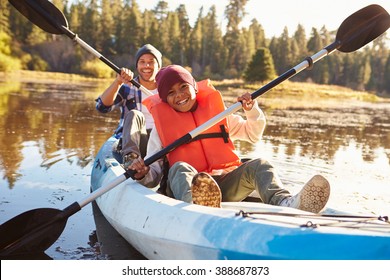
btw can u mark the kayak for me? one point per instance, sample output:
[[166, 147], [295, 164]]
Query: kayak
[[163, 228]]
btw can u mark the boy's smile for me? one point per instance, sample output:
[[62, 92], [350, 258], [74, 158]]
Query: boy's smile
[[182, 97]]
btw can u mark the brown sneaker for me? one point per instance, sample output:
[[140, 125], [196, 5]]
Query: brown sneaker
[[205, 191]]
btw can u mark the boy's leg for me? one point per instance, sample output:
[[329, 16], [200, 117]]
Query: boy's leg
[[252, 175]]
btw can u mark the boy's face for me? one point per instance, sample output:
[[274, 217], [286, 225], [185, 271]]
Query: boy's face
[[147, 67], [182, 97]]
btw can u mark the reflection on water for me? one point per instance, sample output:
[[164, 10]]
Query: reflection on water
[[106, 234], [51, 132], [321, 133]]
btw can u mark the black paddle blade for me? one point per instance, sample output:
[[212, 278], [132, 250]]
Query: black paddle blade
[[362, 27], [31, 232], [42, 13]]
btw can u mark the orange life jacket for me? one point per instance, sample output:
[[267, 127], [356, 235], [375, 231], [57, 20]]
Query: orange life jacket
[[206, 154]]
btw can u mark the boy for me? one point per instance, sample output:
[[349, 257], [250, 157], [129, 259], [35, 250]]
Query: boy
[[207, 170]]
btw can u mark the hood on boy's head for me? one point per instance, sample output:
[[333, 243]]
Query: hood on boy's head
[[170, 75]]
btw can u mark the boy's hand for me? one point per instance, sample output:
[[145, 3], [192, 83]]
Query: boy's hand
[[246, 100]]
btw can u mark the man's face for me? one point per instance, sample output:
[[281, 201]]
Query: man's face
[[182, 97], [147, 67]]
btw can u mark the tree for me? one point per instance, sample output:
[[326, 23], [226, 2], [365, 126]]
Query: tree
[[117, 28], [19, 25], [173, 37], [284, 60], [76, 12], [129, 31], [4, 16], [234, 13], [258, 34], [321, 74], [184, 35], [387, 75], [250, 46], [300, 38], [299, 50], [313, 46], [261, 68], [5, 43], [90, 27], [195, 48], [378, 63], [347, 68], [108, 17], [36, 36], [364, 74], [212, 46], [161, 11], [152, 29]]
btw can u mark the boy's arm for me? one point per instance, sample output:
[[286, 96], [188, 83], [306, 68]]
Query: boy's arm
[[251, 129]]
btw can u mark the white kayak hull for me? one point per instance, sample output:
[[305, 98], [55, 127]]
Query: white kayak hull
[[160, 227]]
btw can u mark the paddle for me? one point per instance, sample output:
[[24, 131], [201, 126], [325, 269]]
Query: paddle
[[46, 16], [37, 229]]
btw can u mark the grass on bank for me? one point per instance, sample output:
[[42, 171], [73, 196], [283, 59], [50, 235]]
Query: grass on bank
[[302, 94], [52, 77], [290, 94]]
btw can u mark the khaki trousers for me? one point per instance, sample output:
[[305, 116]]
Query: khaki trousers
[[256, 174]]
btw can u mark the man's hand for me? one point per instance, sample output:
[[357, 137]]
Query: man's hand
[[125, 77], [138, 165]]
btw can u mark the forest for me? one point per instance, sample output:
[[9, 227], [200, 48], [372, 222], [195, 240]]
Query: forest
[[117, 28]]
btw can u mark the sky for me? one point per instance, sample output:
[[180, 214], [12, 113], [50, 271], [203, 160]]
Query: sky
[[274, 15]]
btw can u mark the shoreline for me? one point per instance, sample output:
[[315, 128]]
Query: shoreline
[[306, 95]]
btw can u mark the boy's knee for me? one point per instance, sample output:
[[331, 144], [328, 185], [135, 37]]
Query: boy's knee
[[180, 166]]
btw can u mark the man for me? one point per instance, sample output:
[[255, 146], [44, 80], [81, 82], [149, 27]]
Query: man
[[135, 122], [207, 170]]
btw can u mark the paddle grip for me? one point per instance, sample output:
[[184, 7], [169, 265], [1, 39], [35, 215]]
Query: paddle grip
[[116, 68]]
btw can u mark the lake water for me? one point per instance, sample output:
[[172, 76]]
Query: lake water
[[50, 133]]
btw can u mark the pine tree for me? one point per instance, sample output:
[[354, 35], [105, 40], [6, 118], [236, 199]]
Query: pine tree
[[184, 34], [386, 75], [261, 68], [313, 46], [108, 18], [364, 73], [212, 46], [258, 34], [322, 70], [378, 63], [161, 11], [235, 13], [4, 16], [173, 39], [117, 28], [299, 50], [90, 25], [195, 48], [36, 36], [284, 46], [153, 32]]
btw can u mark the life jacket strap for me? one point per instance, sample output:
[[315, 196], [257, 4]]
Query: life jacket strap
[[223, 134]]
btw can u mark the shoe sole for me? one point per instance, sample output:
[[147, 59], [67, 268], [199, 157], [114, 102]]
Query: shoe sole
[[205, 191], [315, 194]]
